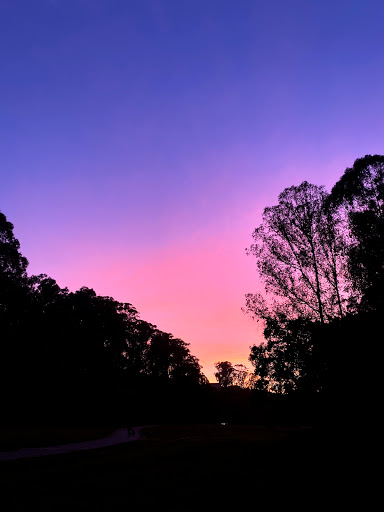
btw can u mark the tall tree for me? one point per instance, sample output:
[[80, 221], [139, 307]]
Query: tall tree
[[14, 289], [17, 364], [14, 286], [360, 193], [13, 265], [299, 253]]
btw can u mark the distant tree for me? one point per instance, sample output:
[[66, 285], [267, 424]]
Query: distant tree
[[240, 375], [225, 373], [228, 374], [169, 358]]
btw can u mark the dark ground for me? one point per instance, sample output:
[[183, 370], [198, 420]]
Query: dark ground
[[186, 467], [15, 438]]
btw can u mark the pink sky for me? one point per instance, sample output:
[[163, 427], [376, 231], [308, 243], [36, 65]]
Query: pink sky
[[193, 284]]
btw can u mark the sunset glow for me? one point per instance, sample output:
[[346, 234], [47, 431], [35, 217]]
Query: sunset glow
[[142, 140]]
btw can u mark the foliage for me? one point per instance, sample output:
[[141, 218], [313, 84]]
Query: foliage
[[224, 373], [13, 265], [299, 254], [285, 362], [169, 358], [321, 259], [238, 375], [77, 354], [360, 192]]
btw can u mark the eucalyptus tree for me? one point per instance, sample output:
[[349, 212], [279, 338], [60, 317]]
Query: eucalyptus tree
[[14, 286], [225, 373], [169, 359], [12, 264], [300, 254], [228, 374], [14, 299], [321, 259], [359, 193]]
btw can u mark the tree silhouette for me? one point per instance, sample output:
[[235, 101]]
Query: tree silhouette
[[78, 356], [241, 377], [360, 193], [225, 373], [288, 361], [12, 264], [17, 343], [299, 253], [169, 358], [14, 289], [321, 257]]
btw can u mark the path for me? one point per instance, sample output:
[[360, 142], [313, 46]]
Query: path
[[119, 436]]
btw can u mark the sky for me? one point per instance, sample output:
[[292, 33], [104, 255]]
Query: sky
[[140, 141]]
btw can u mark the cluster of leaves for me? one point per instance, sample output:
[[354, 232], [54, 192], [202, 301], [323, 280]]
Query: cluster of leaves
[[321, 259], [77, 346]]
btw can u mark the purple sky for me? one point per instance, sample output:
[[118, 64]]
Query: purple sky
[[141, 140]]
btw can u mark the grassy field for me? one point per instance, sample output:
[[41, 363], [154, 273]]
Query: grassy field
[[176, 467]]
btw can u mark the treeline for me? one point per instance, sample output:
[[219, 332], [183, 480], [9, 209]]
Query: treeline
[[321, 258], [81, 357], [77, 357]]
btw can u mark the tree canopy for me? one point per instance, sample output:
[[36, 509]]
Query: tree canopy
[[320, 257], [300, 258], [360, 193], [77, 347]]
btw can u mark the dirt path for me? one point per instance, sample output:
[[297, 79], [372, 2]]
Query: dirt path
[[119, 436]]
